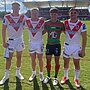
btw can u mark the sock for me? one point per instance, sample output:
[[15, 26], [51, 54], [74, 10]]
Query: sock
[[6, 72], [34, 72], [56, 70], [17, 69], [66, 72], [77, 72], [48, 69], [41, 73]]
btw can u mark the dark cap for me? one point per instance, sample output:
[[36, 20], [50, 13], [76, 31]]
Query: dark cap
[[53, 10], [16, 3]]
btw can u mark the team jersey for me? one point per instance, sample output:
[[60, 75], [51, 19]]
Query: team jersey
[[15, 25], [54, 30], [73, 31], [35, 29]]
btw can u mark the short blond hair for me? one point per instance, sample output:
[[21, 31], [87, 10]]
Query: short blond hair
[[15, 2], [34, 9]]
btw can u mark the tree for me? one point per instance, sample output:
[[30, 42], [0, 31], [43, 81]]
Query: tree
[[4, 2]]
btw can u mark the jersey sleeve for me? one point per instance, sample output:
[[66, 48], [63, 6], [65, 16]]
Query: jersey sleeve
[[26, 26], [83, 27], [45, 26], [63, 27], [25, 17], [5, 21]]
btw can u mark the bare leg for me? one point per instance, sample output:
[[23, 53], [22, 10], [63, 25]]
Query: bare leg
[[77, 68], [8, 61], [8, 64], [40, 57], [18, 64], [33, 62], [48, 66], [66, 66], [18, 56], [57, 66]]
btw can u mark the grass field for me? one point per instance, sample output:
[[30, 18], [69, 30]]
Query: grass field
[[14, 83]]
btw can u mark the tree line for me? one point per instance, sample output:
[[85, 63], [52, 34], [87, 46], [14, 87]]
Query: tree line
[[2, 13]]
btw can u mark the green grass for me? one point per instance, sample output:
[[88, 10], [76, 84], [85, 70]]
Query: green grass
[[37, 85]]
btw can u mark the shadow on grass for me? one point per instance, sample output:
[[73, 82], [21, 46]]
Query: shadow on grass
[[35, 83], [60, 87], [18, 84], [72, 88], [70, 85], [6, 87], [82, 88], [51, 85], [44, 86]]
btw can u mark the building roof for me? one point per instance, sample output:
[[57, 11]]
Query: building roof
[[56, 3]]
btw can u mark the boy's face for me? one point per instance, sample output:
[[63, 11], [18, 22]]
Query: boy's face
[[34, 13], [73, 14], [54, 15], [15, 7]]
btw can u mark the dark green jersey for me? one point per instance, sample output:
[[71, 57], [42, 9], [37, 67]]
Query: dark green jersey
[[54, 30]]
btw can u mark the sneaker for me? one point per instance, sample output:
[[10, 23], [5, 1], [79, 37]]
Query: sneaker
[[4, 79], [18, 75], [64, 80], [55, 82], [32, 77], [77, 83], [47, 79], [41, 77]]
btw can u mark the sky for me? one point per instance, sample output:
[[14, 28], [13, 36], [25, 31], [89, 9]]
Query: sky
[[23, 8], [8, 6]]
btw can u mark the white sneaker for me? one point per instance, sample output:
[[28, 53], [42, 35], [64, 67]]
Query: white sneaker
[[4, 79], [55, 82], [18, 75], [32, 77], [41, 77], [47, 79]]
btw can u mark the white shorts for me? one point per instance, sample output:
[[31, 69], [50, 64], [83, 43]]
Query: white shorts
[[36, 47], [71, 50], [15, 44]]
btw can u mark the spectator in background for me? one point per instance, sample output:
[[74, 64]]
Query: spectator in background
[[14, 22], [74, 28]]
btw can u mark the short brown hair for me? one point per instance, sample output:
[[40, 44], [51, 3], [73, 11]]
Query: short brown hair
[[53, 10], [72, 9]]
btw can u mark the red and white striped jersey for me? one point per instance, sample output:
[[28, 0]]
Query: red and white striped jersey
[[35, 29], [15, 25], [73, 31]]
